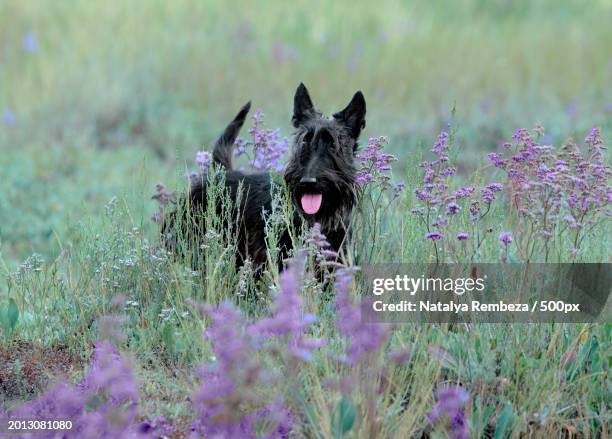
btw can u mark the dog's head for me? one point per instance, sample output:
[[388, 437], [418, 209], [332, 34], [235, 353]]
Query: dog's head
[[321, 171]]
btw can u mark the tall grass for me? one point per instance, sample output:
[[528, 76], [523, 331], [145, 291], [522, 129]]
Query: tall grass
[[546, 378], [116, 96]]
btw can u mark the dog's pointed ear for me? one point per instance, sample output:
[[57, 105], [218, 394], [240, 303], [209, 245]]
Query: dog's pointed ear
[[353, 116], [302, 106]]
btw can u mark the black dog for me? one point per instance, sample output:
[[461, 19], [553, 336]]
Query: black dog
[[320, 177]]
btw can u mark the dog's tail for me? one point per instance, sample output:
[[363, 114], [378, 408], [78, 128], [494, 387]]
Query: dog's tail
[[224, 148]]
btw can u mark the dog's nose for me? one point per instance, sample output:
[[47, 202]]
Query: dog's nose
[[308, 180]]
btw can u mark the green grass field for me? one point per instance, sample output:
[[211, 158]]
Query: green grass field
[[102, 100]]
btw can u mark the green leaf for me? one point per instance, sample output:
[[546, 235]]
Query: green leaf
[[588, 351], [504, 422], [343, 418], [481, 416], [12, 314]]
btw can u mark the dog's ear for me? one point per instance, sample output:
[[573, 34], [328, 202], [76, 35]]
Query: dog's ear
[[353, 116], [302, 106]]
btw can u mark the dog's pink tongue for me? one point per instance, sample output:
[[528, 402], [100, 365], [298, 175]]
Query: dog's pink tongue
[[311, 203]]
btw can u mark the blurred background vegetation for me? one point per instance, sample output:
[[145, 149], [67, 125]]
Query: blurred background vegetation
[[106, 98]]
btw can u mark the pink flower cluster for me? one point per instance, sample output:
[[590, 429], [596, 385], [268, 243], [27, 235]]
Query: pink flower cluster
[[269, 147], [439, 206], [375, 164], [556, 190]]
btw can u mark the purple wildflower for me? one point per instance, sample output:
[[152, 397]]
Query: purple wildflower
[[434, 236], [223, 381], [463, 192], [398, 188], [103, 404], [463, 236], [521, 157], [30, 42], [550, 184], [364, 178], [321, 248], [505, 238], [227, 338], [594, 137], [441, 144], [111, 371], [453, 208], [571, 222], [236, 372], [269, 147], [572, 110], [439, 222], [488, 196], [9, 118], [203, 160], [421, 195], [317, 238], [429, 175], [513, 174], [437, 203], [449, 408], [448, 172], [288, 318], [240, 147], [375, 164], [364, 337], [157, 427], [277, 415], [522, 136]]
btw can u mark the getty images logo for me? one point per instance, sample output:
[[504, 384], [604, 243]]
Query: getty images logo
[[413, 285]]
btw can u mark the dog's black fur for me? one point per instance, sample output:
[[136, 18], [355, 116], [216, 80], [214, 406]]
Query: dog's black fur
[[322, 162]]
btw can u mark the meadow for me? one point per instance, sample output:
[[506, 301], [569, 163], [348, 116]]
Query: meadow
[[102, 101]]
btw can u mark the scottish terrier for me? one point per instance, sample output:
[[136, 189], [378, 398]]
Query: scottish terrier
[[320, 176]]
